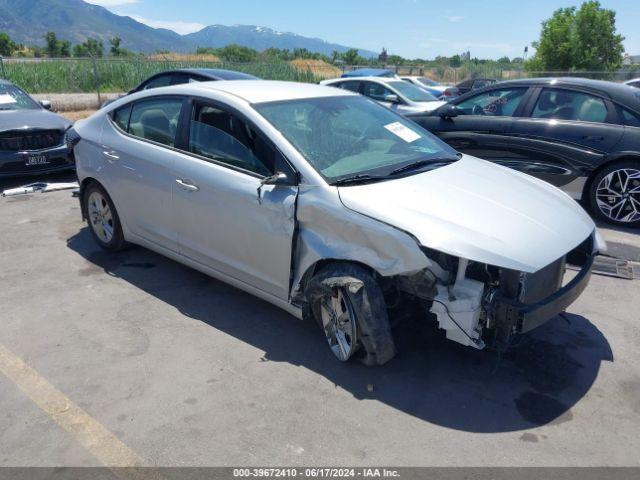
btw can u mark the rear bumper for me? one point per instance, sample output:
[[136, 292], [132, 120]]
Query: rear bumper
[[523, 317], [14, 163]]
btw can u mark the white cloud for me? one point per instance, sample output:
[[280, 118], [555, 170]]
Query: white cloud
[[455, 18], [177, 26], [112, 3]]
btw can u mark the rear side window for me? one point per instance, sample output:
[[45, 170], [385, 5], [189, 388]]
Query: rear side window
[[630, 118], [220, 136], [570, 105], [156, 120], [351, 86], [160, 81], [496, 103]]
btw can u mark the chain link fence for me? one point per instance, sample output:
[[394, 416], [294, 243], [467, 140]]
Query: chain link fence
[[98, 78]]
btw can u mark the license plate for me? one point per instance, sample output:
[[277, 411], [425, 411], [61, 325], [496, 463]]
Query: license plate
[[37, 160]]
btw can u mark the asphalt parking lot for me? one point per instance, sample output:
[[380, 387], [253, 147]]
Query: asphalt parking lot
[[131, 358]]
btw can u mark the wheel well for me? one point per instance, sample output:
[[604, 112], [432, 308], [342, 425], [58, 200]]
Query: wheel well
[[83, 186], [320, 264], [589, 182]]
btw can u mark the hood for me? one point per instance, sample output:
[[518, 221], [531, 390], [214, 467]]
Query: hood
[[479, 211], [27, 119]]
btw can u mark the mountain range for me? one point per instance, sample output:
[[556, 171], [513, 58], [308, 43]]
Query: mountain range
[[27, 21]]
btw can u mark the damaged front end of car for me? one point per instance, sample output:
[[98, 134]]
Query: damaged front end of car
[[478, 304]]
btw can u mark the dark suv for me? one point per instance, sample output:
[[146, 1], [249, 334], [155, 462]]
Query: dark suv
[[580, 135]]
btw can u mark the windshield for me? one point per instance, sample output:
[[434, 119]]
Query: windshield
[[12, 98], [351, 135], [428, 82], [413, 93]]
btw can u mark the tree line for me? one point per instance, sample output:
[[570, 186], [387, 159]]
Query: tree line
[[56, 48]]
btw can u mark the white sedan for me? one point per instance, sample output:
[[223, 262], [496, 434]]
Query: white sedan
[[393, 93], [332, 207]]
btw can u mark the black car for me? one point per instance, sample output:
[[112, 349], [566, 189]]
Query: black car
[[580, 135], [474, 84], [32, 139], [187, 75]]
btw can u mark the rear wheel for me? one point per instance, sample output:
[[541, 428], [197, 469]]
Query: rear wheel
[[102, 218], [615, 194], [348, 304]]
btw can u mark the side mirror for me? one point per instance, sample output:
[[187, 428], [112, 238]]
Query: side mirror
[[448, 111], [278, 178], [391, 98], [46, 104]]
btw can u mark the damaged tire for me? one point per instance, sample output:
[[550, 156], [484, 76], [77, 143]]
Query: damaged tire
[[102, 218], [348, 304]]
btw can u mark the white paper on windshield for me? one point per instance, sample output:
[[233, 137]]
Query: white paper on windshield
[[5, 98], [405, 133]]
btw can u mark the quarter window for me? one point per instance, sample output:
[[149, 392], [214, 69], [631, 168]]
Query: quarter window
[[220, 136], [121, 117], [496, 103], [569, 105], [630, 118], [156, 120]]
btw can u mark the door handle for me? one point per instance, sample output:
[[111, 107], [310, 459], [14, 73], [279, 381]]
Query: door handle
[[112, 157], [595, 138], [186, 185]]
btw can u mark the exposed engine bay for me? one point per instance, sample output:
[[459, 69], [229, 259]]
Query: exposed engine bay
[[478, 304]]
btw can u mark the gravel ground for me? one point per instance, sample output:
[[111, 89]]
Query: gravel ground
[[184, 370]]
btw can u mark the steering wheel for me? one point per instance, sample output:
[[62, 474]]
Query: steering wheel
[[477, 110]]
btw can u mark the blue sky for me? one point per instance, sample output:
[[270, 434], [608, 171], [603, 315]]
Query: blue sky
[[411, 28]]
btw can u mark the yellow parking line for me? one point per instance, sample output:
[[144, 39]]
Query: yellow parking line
[[92, 435]]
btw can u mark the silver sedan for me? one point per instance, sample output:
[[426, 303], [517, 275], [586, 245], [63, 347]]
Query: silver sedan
[[332, 207]]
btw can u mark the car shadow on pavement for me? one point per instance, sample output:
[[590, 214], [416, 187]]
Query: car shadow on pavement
[[534, 382]]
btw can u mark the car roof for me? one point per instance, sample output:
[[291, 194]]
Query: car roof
[[618, 92], [219, 73], [259, 91], [370, 79], [367, 72]]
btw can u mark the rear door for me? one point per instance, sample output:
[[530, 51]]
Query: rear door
[[565, 133], [224, 223], [138, 154], [482, 129]]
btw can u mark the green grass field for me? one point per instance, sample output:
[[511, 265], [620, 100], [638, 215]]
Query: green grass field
[[77, 75]]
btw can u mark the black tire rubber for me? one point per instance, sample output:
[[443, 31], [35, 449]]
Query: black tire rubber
[[595, 210], [375, 340], [117, 242]]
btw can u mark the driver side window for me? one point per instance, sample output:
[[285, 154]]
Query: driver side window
[[376, 91], [495, 103], [221, 136]]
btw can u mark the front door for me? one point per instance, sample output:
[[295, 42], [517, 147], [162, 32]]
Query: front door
[[223, 221], [483, 126]]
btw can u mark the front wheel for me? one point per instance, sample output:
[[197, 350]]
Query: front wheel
[[614, 194], [348, 304]]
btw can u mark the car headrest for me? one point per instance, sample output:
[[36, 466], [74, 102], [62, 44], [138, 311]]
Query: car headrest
[[563, 98], [545, 102], [156, 126]]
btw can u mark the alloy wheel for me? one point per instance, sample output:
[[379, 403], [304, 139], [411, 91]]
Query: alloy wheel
[[100, 216], [618, 195], [339, 324]]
